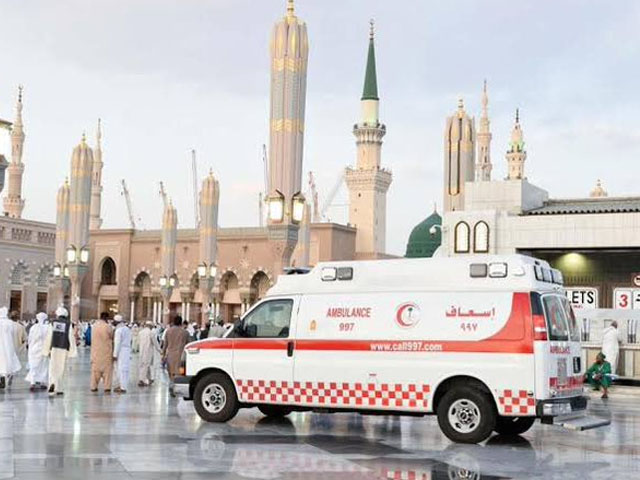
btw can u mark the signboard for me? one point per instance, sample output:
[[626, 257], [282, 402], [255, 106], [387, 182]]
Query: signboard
[[582, 297], [626, 298]]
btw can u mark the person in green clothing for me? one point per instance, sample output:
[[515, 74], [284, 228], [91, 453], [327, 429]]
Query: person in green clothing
[[597, 375]]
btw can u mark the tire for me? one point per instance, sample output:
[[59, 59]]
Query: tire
[[466, 415], [215, 398], [274, 411], [513, 425]]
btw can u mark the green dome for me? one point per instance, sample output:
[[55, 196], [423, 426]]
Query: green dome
[[421, 242]]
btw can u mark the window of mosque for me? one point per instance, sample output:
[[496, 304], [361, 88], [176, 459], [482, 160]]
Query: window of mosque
[[481, 237], [17, 275], [462, 240], [43, 277], [108, 274]]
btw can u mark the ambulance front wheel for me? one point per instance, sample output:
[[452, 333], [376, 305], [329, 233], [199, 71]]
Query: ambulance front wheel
[[215, 399], [513, 425], [466, 415]]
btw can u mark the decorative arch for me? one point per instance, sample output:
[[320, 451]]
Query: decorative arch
[[481, 237], [108, 272], [44, 276], [19, 273], [258, 286], [462, 240], [142, 283]]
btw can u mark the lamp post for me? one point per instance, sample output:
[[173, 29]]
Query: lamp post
[[61, 281], [207, 277], [284, 222], [75, 270], [166, 289]]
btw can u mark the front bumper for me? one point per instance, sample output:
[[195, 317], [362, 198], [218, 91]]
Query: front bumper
[[182, 387], [561, 406]]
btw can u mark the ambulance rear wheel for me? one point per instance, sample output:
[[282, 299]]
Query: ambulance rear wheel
[[466, 415], [215, 398], [513, 425], [274, 411]]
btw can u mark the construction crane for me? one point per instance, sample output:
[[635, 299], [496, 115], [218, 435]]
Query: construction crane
[[163, 195], [332, 195], [194, 168], [315, 213], [127, 198]]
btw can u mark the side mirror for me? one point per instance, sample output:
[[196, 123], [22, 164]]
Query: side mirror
[[251, 331]]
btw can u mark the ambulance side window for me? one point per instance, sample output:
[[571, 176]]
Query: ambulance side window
[[556, 319], [269, 320]]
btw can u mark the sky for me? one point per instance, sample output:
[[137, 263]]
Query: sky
[[167, 76]]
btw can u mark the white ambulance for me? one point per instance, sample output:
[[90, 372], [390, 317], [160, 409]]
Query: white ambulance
[[487, 343]]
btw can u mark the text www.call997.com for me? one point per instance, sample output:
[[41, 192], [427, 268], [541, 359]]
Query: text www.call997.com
[[406, 347]]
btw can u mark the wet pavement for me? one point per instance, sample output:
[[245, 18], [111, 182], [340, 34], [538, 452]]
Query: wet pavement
[[145, 434]]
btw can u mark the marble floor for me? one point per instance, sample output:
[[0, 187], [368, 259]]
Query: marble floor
[[146, 434]]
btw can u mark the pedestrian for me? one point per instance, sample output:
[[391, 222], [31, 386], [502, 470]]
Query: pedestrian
[[216, 330], [102, 354], [60, 344], [599, 373], [611, 345], [38, 375], [122, 353], [9, 361], [19, 333], [175, 340], [156, 361], [87, 335], [135, 331], [145, 359]]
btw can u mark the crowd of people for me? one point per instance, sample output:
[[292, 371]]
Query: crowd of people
[[49, 342]]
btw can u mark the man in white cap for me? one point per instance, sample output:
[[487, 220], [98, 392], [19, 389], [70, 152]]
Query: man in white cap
[[38, 364], [60, 343], [122, 353], [147, 347], [9, 362]]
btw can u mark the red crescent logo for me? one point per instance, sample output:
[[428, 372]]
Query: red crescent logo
[[408, 315]]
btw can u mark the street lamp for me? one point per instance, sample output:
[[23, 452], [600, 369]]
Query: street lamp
[[71, 254], [57, 270], [163, 281], [276, 207], [84, 255], [297, 207], [207, 274]]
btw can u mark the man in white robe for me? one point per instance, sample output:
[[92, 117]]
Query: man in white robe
[[145, 359], [611, 345], [60, 344], [38, 364], [156, 362], [122, 353], [9, 361]]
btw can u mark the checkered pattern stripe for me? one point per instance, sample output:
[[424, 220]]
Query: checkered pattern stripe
[[516, 402], [573, 383], [339, 394], [406, 474]]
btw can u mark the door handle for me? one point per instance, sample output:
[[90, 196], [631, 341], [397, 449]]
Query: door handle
[[290, 347]]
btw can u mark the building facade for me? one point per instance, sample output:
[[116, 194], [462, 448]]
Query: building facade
[[26, 246]]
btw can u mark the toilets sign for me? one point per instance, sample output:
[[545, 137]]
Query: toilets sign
[[583, 297]]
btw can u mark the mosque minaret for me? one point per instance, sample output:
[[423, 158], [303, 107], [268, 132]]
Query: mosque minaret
[[516, 155], [483, 165], [289, 47], [13, 201], [96, 182], [459, 157], [368, 182]]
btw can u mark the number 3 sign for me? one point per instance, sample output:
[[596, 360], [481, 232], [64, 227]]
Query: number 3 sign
[[623, 299]]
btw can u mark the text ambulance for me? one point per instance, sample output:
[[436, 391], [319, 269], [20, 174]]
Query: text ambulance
[[488, 343]]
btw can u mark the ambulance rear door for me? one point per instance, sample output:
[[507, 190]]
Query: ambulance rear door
[[558, 363]]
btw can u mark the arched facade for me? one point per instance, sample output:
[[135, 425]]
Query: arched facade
[[108, 287], [229, 296], [258, 286]]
